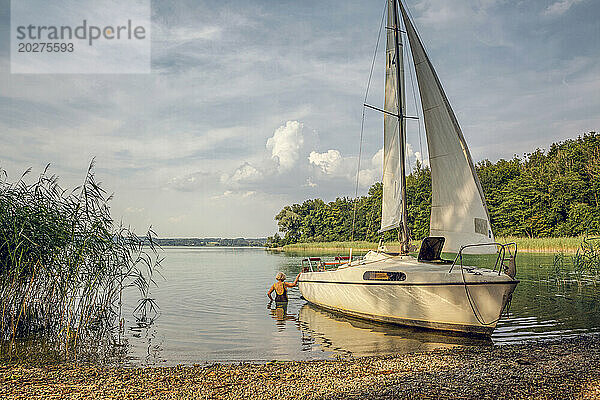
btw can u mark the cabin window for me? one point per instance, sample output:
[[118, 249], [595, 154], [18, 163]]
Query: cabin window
[[384, 276], [481, 226]]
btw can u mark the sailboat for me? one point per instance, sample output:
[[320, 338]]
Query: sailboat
[[424, 291]]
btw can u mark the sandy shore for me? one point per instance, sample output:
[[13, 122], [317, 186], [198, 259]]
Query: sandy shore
[[543, 370]]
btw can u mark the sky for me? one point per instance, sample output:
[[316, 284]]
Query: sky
[[252, 105]]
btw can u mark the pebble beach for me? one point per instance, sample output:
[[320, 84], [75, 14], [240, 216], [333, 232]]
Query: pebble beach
[[558, 369]]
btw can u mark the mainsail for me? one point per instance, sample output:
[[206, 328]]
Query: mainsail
[[393, 179], [458, 209]]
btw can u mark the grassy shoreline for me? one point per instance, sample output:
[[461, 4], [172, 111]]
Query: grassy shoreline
[[527, 245], [566, 368]]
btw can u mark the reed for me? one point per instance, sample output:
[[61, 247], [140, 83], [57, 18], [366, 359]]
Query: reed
[[582, 267], [64, 261], [545, 245], [534, 245], [357, 245]]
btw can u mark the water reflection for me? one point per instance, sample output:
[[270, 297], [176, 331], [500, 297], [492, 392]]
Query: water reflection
[[202, 321], [279, 312], [349, 336], [544, 308]]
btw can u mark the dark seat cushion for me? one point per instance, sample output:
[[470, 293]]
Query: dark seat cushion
[[431, 249]]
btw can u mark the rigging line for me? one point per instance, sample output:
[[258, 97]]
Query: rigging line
[[413, 25], [362, 122], [417, 108], [406, 144]]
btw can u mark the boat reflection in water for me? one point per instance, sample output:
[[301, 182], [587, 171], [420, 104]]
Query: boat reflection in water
[[348, 336]]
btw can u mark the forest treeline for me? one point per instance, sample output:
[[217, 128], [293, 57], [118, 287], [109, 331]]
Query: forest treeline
[[541, 194]]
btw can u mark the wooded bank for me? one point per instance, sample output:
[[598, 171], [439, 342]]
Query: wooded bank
[[543, 194]]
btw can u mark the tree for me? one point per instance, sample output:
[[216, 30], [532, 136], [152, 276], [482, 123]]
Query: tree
[[553, 193]]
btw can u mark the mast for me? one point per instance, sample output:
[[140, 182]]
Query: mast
[[403, 231]]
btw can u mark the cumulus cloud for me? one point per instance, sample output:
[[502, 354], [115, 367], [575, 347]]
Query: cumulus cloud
[[419, 158], [377, 159], [285, 144], [245, 173], [413, 156], [372, 172], [329, 162], [333, 165]]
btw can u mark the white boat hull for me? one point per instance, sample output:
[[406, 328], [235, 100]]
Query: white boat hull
[[430, 296]]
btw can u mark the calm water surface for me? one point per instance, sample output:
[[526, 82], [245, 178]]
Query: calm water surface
[[213, 307]]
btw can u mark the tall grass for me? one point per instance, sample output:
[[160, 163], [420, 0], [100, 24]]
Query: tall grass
[[545, 245], [587, 259], [341, 248], [542, 245], [583, 266], [64, 262], [356, 245]]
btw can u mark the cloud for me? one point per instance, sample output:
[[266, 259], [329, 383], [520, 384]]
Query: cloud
[[234, 194], [245, 173], [442, 12], [194, 181], [332, 165], [286, 143], [423, 160], [228, 79], [185, 34], [310, 183], [560, 7], [371, 174], [412, 157], [377, 159], [329, 162]]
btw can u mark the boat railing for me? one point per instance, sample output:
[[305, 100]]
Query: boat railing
[[505, 254], [316, 264]]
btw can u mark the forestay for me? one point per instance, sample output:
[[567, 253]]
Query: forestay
[[391, 213], [458, 209]]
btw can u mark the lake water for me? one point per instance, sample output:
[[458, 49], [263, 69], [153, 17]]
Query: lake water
[[213, 307]]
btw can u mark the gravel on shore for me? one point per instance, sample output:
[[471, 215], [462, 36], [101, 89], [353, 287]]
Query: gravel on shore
[[562, 369]]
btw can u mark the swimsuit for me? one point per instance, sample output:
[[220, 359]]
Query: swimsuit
[[281, 298]]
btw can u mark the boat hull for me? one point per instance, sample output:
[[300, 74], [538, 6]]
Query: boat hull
[[433, 298]]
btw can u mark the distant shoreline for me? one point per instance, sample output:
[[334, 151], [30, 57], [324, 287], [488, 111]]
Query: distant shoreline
[[211, 242], [525, 245], [211, 246]]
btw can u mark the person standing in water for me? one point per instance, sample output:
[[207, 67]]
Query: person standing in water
[[280, 289]]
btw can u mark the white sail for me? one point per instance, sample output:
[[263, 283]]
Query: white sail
[[458, 209], [391, 205]]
